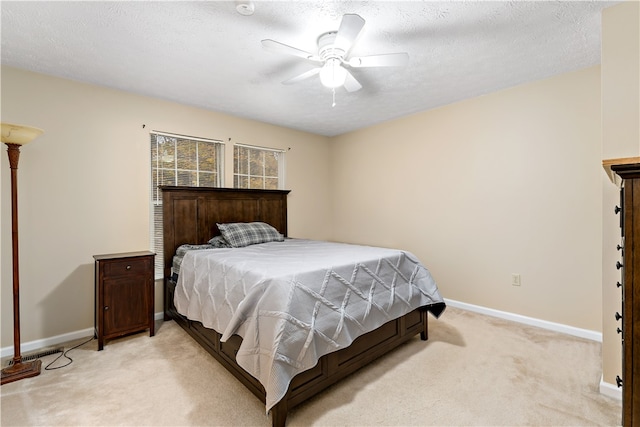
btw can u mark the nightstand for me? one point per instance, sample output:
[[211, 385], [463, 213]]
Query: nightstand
[[124, 294]]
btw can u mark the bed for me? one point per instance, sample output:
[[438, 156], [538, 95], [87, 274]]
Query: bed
[[190, 216]]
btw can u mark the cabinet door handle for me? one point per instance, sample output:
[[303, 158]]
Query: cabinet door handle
[[618, 381], [618, 316], [619, 330], [618, 247], [618, 265], [128, 267], [617, 209], [618, 284], [106, 307]]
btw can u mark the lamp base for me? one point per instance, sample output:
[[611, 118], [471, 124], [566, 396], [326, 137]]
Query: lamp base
[[21, 370]]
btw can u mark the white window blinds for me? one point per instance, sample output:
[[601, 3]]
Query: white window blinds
[[180, 160]]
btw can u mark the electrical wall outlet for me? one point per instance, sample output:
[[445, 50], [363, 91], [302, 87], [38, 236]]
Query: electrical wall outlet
[[515, 279]]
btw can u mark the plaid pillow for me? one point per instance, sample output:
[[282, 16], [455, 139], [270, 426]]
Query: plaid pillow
[[240, 234]]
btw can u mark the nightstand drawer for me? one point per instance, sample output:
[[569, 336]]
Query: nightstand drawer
[[127, 267]]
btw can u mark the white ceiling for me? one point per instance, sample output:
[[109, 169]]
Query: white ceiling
[[207, 55]]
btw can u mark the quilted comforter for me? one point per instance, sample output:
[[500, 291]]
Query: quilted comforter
[[295, 301]]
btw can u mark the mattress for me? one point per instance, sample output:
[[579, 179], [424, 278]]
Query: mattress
[[294, 301]]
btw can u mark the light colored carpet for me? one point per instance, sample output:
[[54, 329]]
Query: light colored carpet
[[475, 370]]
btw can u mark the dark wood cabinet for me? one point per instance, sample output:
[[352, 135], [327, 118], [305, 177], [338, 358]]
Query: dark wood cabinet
[[630, 284], [124, 294]]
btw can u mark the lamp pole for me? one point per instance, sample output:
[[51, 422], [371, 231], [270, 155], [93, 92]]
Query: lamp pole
[[14, 136]]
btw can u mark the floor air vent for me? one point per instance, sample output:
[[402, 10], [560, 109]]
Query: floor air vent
[[38, 355]]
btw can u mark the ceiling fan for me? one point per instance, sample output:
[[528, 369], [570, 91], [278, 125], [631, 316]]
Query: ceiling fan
[[333, 56]]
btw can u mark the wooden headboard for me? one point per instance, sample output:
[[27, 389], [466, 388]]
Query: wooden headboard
[[190, 214]]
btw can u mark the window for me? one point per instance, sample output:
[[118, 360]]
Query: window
[[257, 167], [179, 160]]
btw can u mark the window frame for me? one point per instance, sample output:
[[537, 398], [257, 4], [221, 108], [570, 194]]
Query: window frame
[[280, 157]]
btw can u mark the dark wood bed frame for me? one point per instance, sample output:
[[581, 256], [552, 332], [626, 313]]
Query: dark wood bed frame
[[190, 215]]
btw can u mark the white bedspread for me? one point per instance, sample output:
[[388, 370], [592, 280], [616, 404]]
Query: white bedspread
[[295, 301]]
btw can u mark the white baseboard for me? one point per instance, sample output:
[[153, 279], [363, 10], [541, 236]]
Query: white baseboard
[[610, 390], [30, 346], [58, 339], [531, 321]]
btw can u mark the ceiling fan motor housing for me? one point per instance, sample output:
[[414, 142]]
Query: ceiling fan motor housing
[[327, 49]]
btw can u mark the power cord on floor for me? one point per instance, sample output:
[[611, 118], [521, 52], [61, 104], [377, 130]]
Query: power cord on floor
[[64, 354]]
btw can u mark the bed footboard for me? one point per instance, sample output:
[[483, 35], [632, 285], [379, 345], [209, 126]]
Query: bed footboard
[[330, 369]]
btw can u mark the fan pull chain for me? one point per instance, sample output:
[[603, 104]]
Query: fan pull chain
[[334, 97]]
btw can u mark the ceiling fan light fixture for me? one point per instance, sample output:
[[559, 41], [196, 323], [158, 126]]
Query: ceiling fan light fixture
[[333, 56], [332, 74]]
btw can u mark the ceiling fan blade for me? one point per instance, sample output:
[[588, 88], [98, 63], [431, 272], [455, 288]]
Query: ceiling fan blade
[[302, 76], [278, 47], [384, 60], [351, 84], [348, 32]]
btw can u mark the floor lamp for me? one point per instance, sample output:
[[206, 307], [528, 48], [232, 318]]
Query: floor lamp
[[15, 136]]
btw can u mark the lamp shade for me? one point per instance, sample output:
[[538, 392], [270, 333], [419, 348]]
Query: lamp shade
[[332, 74], [19, 134]]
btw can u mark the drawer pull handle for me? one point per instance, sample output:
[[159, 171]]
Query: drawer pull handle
[[618, 316], [618, 381], [618, 265], [106, 307], [128, 267]]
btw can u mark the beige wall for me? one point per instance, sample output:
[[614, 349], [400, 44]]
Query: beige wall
[[84, 188], [479, 190], [620, 138], [505, 183]]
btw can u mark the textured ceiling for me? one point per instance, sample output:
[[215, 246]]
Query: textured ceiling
[[207, 55]]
